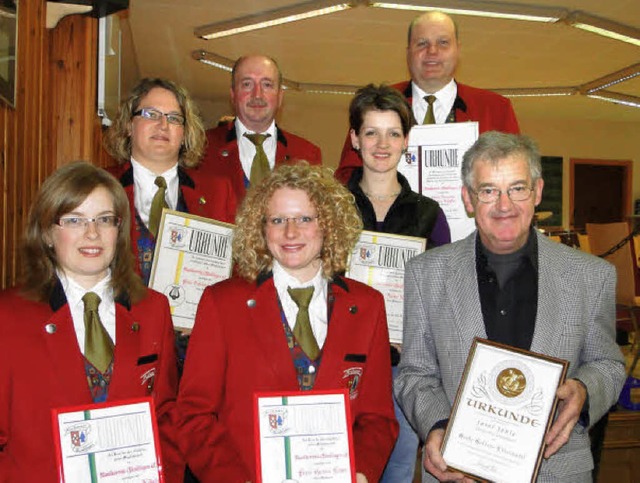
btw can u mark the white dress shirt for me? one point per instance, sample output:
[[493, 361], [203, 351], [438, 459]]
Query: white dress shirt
[[145, 188], [317, 308], [247, 150], [107, 308], [445, 98]]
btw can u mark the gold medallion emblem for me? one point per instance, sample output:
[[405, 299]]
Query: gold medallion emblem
[[511, 382]]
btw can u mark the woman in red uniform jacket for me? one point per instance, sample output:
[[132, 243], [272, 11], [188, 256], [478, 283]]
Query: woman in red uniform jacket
[[157, 133], [294, 230], [76, 242]]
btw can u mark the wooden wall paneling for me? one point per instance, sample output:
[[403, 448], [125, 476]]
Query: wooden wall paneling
[[54, 119], [21, 135], [73, 64], [6, 144], [100, 156]]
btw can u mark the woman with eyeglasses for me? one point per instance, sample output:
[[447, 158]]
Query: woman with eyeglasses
[[286, 322], [156, 138], [380, 121], [81, 328]]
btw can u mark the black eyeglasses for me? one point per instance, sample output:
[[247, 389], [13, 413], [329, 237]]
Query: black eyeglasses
[[152, 114]]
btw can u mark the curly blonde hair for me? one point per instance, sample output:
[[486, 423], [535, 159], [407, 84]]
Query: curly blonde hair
[[338, 219], [118, 136]]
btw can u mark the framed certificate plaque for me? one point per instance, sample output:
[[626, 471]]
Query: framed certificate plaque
[[502, 411]]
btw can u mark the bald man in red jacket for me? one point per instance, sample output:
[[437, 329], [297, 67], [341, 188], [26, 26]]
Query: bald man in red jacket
[[432, 57]]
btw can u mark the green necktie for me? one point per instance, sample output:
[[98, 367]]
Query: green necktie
[[260, 165], [302, 330], [429, 117], [98, 346], [157, 204]]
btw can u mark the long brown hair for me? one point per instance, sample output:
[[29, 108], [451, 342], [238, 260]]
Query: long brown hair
[[61, 193]]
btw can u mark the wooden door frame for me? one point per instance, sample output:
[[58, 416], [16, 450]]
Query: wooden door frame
[[628, 183]]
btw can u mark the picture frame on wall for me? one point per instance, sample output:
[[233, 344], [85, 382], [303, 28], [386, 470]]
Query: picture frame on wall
[[8, 50]]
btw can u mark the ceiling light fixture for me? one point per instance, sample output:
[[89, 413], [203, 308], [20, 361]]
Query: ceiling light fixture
[[598, 85], [478, 8], [616, 98], [271, 18], [604, 27], [346, 90], [536, 91], [226, 64], [213, 60], [611, 79]]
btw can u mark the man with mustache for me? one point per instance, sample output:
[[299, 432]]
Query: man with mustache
[[432, 57], [245, 150]]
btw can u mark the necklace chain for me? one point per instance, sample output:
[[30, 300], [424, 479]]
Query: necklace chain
[[381, 197]]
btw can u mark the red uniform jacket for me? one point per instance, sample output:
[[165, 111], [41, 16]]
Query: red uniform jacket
[[218, 203], [492, 112], [42, 369], [238, 346], [222, 157]]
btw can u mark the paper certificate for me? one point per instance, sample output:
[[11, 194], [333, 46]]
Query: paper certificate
[[378, 260], [304, 437], [432, 165], [502, 411], [191, 253], [108, 443]]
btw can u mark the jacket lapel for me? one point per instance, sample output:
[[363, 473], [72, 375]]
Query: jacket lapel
[[462, 290], [282, 151], [552, 299], [65, 357], [127, 350], [267, 333], [343, 327]]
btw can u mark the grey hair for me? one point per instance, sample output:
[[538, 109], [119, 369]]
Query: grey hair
[[494, 146]]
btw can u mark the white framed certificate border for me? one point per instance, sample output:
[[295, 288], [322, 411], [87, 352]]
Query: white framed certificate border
[[390, 254], [502, 411], [432, 165], [175, 291], [303, 437], [87, 436]]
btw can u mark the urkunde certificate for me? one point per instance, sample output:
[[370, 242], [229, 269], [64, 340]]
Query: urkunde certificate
[[378, 260], [432, 165], [191, 253], [304, 437], [503, 409], [108, 443]]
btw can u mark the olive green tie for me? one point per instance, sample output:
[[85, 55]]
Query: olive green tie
[[302, 330], [157, 204], [98, 346], [260, 165], [429, 117]]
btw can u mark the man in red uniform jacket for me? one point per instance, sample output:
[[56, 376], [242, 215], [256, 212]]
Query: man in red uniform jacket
[[256, 93], [432, 57]]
